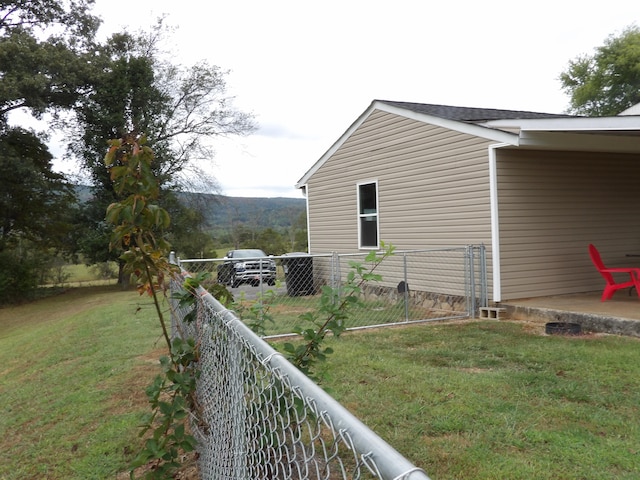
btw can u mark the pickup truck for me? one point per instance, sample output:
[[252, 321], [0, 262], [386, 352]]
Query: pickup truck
[[247, 266]]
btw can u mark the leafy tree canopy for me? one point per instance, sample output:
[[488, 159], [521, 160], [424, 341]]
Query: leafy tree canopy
[[607, 82], [36, 75], [179, 109], [72, 15], [33, 198], [43, 47]]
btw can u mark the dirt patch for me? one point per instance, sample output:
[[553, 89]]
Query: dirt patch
[[189, 470], [133, 397]]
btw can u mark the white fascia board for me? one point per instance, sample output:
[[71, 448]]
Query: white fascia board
[[462, 127], [343, 138], [576, 124]]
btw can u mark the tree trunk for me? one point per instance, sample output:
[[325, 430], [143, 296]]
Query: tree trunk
[[123, 279]]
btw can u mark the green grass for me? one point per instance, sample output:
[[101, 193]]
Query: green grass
[[88, 275], [491, 400], [285, 312], [72, 374], [480, 400], [83, 273]]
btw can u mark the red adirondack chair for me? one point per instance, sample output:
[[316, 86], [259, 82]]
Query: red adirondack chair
[[612, 285]]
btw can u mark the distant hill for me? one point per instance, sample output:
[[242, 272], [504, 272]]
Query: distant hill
[[256, 213], [222, 212]]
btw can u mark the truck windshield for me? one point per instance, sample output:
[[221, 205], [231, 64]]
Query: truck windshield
[[248, 254]]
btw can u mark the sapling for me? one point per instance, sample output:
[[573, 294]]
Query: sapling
[[139, 228]]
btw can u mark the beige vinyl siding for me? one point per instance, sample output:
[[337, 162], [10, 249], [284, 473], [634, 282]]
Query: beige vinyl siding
[[551, 206], [433, 187]]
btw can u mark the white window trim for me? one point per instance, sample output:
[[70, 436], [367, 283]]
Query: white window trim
[[377, 214]]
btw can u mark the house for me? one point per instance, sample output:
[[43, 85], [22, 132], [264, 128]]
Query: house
[[535, 188]]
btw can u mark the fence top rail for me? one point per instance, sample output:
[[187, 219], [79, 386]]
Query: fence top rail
[[319, 255], [272, 257], [390, 463], [422, 250]]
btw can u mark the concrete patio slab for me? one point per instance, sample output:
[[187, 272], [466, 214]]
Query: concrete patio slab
[[620, 315]]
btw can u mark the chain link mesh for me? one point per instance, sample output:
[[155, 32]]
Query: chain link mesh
[[420, 285], [258, 417]]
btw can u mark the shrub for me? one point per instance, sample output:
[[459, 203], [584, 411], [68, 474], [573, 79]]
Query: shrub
[[19, 275]]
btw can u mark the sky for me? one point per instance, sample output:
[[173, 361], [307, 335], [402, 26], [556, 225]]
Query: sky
[[307, 69]]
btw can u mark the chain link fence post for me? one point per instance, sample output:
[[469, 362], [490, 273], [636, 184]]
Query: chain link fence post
[[405, 293], [471, 299]]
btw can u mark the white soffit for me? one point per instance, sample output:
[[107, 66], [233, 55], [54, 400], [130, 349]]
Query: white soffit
[[582, 141]]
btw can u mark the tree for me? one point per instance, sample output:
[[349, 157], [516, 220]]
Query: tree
[[41, 70], [38, 75], [607, 82], [43, 74], [33, 198], [134, 90], [177, 108], [72, 15], [33, 205], [186, 233], [271, 242]]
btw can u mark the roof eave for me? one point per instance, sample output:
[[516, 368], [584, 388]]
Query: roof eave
[[343, 138]]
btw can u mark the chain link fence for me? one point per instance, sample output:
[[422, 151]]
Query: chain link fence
[[259, 417], [416, 286]]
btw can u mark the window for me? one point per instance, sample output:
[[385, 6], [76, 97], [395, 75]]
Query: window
[[368, 215]]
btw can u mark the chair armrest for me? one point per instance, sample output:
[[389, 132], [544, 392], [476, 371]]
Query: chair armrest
[[634, 273], [620, 270]]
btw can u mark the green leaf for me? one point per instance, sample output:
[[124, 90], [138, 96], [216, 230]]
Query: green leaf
[[113, 213], [372, 256]]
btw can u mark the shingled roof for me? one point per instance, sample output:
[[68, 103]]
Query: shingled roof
[[469, 114]]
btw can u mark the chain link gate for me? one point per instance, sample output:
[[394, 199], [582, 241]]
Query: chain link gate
[[261, 418]]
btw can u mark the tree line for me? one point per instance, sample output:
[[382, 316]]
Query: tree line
[[53, 68]]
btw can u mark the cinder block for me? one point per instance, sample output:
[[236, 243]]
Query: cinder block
[[492, 312]]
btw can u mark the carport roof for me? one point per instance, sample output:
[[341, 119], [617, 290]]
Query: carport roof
[[598, 134]]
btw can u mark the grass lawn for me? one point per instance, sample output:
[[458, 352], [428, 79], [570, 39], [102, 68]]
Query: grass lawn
[[284, 312], [496, 400], [79, 274], [73, 368], [468, 400]]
